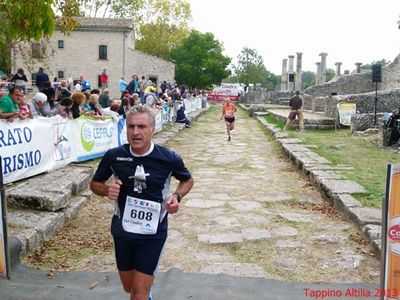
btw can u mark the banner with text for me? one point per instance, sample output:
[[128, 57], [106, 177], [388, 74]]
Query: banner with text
[[391, 281]]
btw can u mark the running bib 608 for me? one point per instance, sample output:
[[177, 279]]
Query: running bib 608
[[141, 216]]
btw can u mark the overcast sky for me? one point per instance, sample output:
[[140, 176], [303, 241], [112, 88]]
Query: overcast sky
[[349, 31]]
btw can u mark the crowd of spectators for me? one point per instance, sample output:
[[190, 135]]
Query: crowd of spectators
[[73, 102]]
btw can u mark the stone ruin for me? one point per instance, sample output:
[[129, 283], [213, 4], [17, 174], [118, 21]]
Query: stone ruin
[[352, 88]]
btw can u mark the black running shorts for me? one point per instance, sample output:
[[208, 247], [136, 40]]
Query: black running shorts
[[139, 254]]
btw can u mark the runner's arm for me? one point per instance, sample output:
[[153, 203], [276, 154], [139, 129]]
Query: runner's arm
[[102, 189], [182, 189]]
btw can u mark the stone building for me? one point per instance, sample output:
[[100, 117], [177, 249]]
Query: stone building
[[95, 44]]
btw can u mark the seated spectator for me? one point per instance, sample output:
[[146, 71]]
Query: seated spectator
[[25, 111], [112, 111], [62, 91], [124, 107], [67, 103], [9, 108], [181, 115], [79, 98], [94, 105], [37, 104], [52, 108], [49, 91], [134, 100]]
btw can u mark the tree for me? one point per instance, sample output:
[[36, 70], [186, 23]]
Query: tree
[[250, 68], [199, 61], [159, 25], [307, 79], [34, 19], [329, 74]]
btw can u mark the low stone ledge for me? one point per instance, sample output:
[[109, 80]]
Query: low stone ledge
[[332, 187], [72, 210], [365, 215], [374, 232], [343, 202], [26, 196]]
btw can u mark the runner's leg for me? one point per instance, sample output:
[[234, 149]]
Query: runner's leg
[[136, 283]]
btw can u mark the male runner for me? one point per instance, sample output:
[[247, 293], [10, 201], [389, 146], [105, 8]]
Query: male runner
[[228, 113], [142, 173]]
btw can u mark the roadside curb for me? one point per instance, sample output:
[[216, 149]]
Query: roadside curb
[[31, 226], [322, 173]]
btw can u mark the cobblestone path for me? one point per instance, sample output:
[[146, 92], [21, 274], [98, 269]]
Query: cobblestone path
[[251, 214]]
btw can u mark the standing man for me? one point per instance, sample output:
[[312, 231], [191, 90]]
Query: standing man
[[142, 172], [295, 103], [104, 98], [104, 78], [41, 79], [228, 113]]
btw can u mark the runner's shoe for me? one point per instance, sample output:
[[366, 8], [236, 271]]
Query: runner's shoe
[[229, 138]]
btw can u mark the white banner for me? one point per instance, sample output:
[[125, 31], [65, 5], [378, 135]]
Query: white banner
[[30, 147], [92, 137]]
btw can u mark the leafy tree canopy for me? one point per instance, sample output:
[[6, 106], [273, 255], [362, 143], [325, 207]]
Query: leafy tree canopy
[[199, 61], [159, 25], [250, 68]]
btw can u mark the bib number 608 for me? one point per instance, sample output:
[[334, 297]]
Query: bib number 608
[[141, 215]]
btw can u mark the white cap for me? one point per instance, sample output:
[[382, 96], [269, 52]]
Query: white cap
[[40, 97]]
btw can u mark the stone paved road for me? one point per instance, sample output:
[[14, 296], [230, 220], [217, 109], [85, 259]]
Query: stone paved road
[[251, 214]]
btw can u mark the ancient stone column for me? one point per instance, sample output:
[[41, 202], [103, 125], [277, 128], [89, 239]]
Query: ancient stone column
[[338, 65], [298, 70], [323, 67], [290, 73], [358, 67], [284, 75], [318, 73]]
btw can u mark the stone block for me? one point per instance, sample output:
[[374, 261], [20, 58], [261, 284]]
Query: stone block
[[220, 238], [76, 204], [39, 199], [365, 215], [332, 187], [343, 202]]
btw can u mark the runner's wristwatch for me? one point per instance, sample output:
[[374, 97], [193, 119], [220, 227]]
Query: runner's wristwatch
[[178, 196]]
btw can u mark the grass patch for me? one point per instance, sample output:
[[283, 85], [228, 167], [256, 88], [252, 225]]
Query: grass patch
[[279, 124], [368, 160]]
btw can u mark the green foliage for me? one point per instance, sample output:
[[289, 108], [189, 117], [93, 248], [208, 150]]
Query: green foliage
[[159, 25], [250, 68], [329, 74], [199, 61], [307, 79]]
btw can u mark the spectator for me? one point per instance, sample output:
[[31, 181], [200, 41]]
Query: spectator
[[84, 84], [104, 78], [20, 79], [141, 89], [79, 98], [124, 107], [181, 115], [163, 86], [49, 91], [41, 79], [9, 104], [95, 108], [122, 84], [37, 104], [25, 111], [62, 91], [78, 86], [67, 103], [134, 85], [112, 111], [104, 98]]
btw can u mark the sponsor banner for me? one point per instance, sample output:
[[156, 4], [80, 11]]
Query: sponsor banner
[[391, 241], [4, 253], [30, 147], [92, 137], [346, 110]]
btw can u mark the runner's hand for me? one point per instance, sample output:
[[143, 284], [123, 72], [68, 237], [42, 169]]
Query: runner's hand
[[172, 205], [113, 190]]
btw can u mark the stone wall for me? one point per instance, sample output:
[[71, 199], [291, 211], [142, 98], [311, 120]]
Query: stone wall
[[343, 85], [388, 101], [255, 95], [391, 75]]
